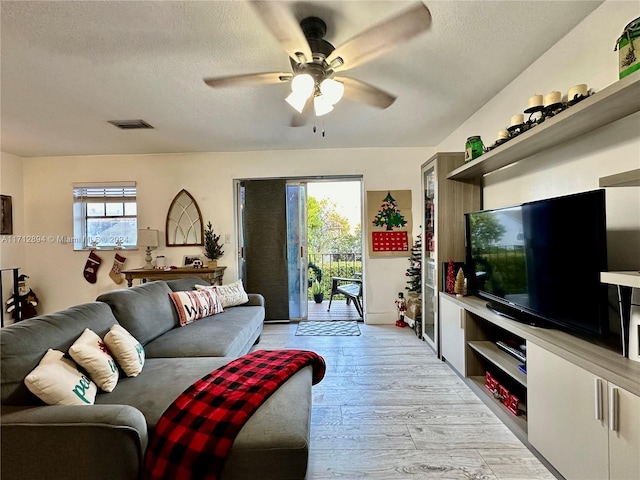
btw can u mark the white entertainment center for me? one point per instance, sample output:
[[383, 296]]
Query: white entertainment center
[[579, 401]]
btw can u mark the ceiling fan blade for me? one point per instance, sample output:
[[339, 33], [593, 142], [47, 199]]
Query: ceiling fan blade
[[284, 27], [362, 92], [382, 37], [248, 79]]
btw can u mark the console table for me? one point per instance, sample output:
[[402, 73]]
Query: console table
[[213, 275]]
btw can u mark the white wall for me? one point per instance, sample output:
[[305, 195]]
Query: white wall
[[585, 55], [56, 270], [12, 251]]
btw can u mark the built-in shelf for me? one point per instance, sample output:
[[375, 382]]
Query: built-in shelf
[[500, 359], [624, 179], [606, 106], [600, 359], [476, 383], [626, 279]]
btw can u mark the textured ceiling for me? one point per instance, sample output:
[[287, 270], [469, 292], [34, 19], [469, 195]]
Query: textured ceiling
[[69, 67]]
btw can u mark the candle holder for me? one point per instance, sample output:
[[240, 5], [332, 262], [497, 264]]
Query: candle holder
[[578, 98], [497, 143], [554, 109], [575, 99], [533, 121], [532, 110]]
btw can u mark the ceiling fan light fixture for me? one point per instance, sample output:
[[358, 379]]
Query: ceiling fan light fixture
[[297, 101], [321, 105], [332, 90], [302, 85]]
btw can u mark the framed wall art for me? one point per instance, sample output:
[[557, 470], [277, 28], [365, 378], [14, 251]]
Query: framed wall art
[[6, 215], [184, 222]]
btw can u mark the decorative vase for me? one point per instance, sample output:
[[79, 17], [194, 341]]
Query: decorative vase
[[212, 263]]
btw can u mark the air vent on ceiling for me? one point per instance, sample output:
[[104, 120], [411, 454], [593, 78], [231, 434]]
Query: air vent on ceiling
[[130, 124]]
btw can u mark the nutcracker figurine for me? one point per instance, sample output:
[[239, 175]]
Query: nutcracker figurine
[[401, 306], [27, 301]]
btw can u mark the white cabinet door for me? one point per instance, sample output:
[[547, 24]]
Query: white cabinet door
[[624, 434], [452, 319], [567, 415]]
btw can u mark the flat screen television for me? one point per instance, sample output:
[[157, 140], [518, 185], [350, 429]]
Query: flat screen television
[[540, 262]]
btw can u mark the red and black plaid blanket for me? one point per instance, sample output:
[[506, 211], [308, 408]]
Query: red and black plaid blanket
[[194, 435]]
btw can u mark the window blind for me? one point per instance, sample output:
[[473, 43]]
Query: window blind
[[120, 192]]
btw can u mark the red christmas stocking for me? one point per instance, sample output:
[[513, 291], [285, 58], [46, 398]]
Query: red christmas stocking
[[116, 270], [91, 267]]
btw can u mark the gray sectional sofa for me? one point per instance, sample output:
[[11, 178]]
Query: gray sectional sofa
[[108, 440]]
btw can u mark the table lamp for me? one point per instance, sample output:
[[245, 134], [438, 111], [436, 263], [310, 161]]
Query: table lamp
[[148, 238]]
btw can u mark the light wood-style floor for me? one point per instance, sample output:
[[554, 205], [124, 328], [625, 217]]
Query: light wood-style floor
[[388, 409]]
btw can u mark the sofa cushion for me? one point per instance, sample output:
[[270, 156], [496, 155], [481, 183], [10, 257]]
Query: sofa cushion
[[23, 344], [228, 334], [126, 349], [192, 305], [230, 295], [57, 381], [145, 311], [90, 352]]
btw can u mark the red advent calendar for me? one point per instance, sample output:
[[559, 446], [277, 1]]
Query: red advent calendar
[[389, 223], [390, 241]]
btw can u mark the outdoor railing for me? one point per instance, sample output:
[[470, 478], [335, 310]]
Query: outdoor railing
[[346, 265]]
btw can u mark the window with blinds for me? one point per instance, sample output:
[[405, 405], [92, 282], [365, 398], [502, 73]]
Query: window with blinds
[[104, 215]]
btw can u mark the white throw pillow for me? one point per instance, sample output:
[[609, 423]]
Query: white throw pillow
[[57, 381], [192, 305], [90, 352], [127, 351], [230, 295]]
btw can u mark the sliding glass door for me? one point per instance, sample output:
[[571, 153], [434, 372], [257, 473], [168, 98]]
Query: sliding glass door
[[264, 250], [297, 249], [273, 238], [272, 218]]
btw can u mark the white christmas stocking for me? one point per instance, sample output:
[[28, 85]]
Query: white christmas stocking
[[116, 270]]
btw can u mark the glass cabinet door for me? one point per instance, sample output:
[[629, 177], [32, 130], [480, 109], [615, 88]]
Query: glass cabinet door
[[429, 279]]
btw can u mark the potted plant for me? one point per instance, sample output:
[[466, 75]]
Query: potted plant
[[212, 246], [316, 291], [317, 273]]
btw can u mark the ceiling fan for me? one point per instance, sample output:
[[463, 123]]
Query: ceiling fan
[[315, 62]]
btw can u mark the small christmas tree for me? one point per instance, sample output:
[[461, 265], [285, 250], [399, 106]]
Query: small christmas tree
[[451, 280], [212, 246], [414, 272], [460, 288], [389, 215]]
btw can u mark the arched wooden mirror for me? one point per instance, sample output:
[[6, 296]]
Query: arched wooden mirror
[[184, 221]]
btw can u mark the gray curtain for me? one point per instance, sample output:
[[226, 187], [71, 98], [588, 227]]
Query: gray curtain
[[265, 244]]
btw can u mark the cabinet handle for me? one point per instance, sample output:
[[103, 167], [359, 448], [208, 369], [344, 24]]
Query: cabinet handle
[[598, 397], [462, 312], [613, 409]]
